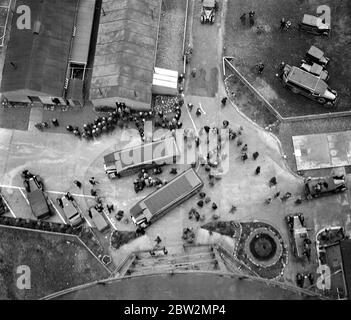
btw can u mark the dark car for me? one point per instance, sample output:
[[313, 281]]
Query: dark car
[[35, 195], [314, 25], [316, 187], [315, 69], [71, 210], [316, 55]]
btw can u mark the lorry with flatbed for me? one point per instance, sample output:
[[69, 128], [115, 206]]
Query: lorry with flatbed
[[161, 201], [148, 155]]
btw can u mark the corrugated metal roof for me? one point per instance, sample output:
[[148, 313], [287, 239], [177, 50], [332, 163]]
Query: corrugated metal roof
[[84, 24], [125, 50], [40, 59], [172, 191]]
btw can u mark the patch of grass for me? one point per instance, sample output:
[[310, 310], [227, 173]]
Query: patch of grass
[[273, 46], [119, 238], [226, 228], [56, 263], [248, 103]]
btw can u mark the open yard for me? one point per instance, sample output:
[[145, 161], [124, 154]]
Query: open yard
[[273, 46], [56, 262]]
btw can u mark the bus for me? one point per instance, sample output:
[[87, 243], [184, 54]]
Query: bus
[[161, 201], [147, 155]]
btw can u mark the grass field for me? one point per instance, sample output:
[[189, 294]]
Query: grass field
[[273, 46], [56, 262]]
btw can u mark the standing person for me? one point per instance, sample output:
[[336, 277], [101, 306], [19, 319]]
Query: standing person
[[92, 181], [243, 18], [252, 18], [224, 101], [244, 157], [260, 67], [158, 240], [193, 72], [282, 24], [55, 122], [198, 112], [190, 106], [77, 183], [225, 124], [258, 170], [272, 181], [255, 155]]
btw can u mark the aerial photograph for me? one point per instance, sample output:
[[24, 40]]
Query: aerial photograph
[[175, 150]]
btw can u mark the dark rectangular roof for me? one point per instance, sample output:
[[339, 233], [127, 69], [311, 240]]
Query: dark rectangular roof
[[345, 248], [126, 50], [174, 190], [40, 59]]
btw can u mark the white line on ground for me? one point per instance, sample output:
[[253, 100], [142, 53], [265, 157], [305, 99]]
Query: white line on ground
[[11, 211], [108, 218], [203, 111], [88, 222], [24, 196], [191, 118], [57, 211], [54, 192]]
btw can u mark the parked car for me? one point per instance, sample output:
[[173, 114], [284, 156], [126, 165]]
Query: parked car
[[315, 69], [302, 82], [98, 219], [35, 194], [71, 210], [314, 25], [316, 55], [318, 186], [208, 11]]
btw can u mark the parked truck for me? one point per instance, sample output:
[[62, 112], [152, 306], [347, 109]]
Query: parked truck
[[37, 199]]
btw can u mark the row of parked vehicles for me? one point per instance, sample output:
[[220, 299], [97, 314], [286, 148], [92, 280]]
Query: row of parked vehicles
[[310, 78], [41, 205], [314, 187]]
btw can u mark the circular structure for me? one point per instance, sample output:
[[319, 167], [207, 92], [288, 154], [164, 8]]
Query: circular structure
[[263, 247]]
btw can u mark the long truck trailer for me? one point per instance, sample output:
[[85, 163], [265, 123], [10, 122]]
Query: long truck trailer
[[161, 201], [148, 155]]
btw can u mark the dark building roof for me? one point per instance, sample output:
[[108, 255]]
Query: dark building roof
[[40, 60], [345, 248], [126, 50], [174, 190]]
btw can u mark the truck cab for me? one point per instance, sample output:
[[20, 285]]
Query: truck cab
[[314, 25], [98, 220], [318, 186], [208, 11], [71, 211]]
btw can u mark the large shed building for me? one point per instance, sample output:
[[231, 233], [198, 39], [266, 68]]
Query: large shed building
[[46, 63], [126, 53]]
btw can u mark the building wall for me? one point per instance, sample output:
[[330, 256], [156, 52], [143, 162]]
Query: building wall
[[111, 102]]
